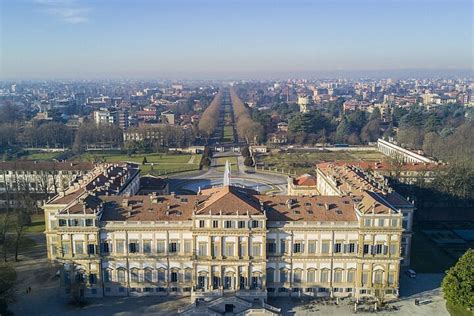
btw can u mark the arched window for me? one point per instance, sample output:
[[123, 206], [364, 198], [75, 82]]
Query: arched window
[[311, 276], [188, 275], [378, 276], [107, 275], [350, 275], [283, 275], [134, 276], [148, 275], [121, 275], [270, 275], [161, 275], [324, 275], [297, 275], [338, 276]]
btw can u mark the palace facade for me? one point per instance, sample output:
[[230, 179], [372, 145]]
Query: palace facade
[[223, 240]]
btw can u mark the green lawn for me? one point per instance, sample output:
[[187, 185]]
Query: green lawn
[[37, 224], [40, 155], [232, 160], [457, 310], [303, 162], [228, 134]]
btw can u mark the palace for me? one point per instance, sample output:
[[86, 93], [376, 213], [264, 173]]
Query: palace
[[222, 240]]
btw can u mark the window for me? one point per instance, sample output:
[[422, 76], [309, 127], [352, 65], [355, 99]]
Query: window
[[283, 276], [255, 224], [65, 248], [229, 249], [378, 275], [256, 250], [202, 249], [381, 222], [391, 278], [187, 246], [394, 222], [325, 247], [298, 247], [161, 275], [121, 276], [79, 247], [351, 247], [338, 276], [270, 275], [89, 222], [215, 249], [365, 278], [312, 247], [148, 275], [147, 246], [393, 249], [91, 249], [174, 276], [367, 222], [366, 249], [215, 224], [297, 275], [378, 249], [282, 246], [120, 246], [311, 277], [133, 247], [188, 275], [324, 276], [201, 223], [243, 249], [229, 224], [107, 275], [405, 224], [160, 246], [241, 224], [105, 247], [337, 248], [92, 278], [134, 276], [350, 276], [173, 247], [271, 246], [62, 222]]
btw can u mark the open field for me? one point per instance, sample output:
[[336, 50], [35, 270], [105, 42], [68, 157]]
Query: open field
[[40, 155], [303, 162], [37, 224]]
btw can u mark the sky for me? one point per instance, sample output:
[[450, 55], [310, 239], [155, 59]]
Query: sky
[[195, 39]]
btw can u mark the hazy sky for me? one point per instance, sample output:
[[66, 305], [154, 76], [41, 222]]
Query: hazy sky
[[199, 38]]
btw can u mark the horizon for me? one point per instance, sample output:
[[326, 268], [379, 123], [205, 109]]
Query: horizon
[[212, 40]]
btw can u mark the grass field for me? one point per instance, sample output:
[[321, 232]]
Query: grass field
[[157, 164], [228, 134], [232, 160], [37, 224], [40, 156], [457, 310], [303, 162]]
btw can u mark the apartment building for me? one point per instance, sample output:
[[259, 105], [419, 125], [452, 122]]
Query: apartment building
[[225, 240]]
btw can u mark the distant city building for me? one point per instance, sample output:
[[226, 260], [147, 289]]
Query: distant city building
[[304, 185], [112, 116], [303, 103]]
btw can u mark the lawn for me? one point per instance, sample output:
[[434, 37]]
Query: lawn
[[41, 155], [303, 162], [426, 256], [37, 224], [220, 163], [228, 134], [457, 310]]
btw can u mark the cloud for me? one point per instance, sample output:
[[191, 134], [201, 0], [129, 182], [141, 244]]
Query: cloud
[[67, 11]]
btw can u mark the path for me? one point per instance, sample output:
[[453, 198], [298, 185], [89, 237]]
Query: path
[[191, 160]]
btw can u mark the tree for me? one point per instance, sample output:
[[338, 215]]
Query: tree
[[458, 284], [144, 160], [343, 131], [248, 161], [245, 151]]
